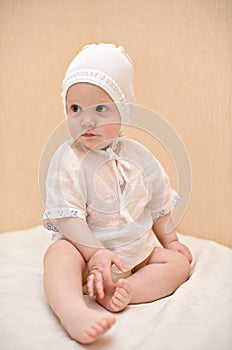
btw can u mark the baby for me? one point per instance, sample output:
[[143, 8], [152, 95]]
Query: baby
[[107, 197]]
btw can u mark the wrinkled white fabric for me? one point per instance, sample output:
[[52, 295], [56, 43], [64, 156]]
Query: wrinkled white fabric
[[119, 193], [197, 316]]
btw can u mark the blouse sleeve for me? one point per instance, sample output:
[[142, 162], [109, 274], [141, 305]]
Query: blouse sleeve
[[162, 197], [65, 188]]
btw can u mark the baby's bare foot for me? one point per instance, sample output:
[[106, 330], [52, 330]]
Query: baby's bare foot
[[86, 326], [117, 299]]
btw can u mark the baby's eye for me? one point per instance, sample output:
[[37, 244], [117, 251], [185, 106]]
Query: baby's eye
[[76, 108], [101, 108]]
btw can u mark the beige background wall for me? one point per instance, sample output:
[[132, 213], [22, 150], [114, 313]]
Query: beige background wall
[[182, 55]]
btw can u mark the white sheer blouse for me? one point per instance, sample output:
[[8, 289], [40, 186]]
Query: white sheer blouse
[[119, 192]]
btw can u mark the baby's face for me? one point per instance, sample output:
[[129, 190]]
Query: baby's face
[[94, 120]]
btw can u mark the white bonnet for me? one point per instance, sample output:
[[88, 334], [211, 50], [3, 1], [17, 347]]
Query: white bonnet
[[106, 66]]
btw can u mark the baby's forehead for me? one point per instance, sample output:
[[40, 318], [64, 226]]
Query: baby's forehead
[[87, 91]]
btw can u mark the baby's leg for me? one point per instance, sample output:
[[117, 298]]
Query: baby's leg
[[63, 270], [165, 272]]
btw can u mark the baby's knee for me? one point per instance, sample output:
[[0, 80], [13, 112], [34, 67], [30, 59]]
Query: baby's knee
[[52, 250], [183, 266], [57, 250], [177, 262]]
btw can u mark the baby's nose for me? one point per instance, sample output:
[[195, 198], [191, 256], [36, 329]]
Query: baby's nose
[[88, 121]]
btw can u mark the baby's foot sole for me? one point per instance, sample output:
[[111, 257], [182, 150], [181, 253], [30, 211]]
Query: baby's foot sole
[[119, 298], [92, 326]]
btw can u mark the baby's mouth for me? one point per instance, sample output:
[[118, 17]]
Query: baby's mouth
[[88, 134]]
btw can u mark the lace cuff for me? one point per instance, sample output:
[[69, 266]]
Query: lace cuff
[[156, 214], [50, 216]]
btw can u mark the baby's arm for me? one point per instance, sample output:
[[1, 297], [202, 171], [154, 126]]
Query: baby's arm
[[98, 258], [169, 240]]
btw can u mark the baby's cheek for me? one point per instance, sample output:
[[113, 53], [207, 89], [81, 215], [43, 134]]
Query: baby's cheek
[[74, 128], [111, 131]]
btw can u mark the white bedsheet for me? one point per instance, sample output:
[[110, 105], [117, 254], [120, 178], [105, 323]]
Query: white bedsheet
[[197, 316]]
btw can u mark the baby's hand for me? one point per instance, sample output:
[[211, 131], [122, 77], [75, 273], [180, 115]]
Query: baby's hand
[[181, 248], [99, 267]]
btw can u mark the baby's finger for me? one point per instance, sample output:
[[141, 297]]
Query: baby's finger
[[99, 284], [187, 254], [90, 285], [117, 262], [107, 277]]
